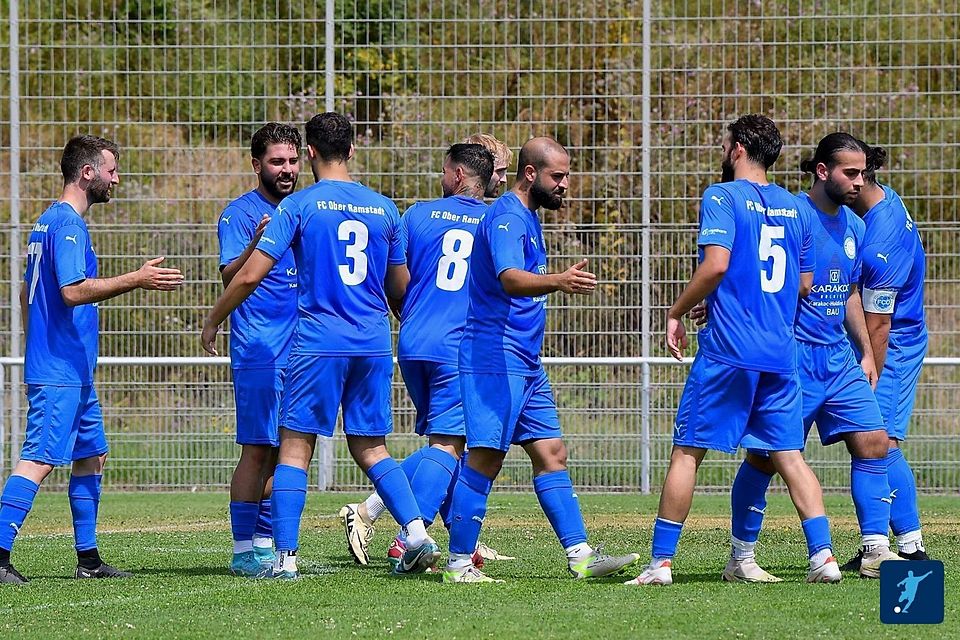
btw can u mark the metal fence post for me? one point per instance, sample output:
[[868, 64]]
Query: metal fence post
[[645, 325]]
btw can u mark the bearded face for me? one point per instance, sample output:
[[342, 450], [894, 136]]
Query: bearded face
[[547, 192], [99, 190]]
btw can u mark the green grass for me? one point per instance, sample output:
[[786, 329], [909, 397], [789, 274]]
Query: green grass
[[178, 546]]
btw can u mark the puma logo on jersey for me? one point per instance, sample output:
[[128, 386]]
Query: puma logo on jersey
[[505, 227], [719, 199], [883, 257], [72, 239], [226, 219]]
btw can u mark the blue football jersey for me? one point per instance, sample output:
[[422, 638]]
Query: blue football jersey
[[837, 241], [61, 340], [438, 237], [343, 235], [894, 265], [261, 329], [504, 334], [753, 309]]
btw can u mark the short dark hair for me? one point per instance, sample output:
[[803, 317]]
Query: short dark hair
[[876, 160], [759, 136], [331, 135], [474, 157], [274, 133], [84, 150], [828, 148]]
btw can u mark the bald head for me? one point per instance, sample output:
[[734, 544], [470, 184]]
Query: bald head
[[538, 152], [542, 173]]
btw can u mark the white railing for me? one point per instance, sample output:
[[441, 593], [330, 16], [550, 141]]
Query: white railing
[[11, 419]]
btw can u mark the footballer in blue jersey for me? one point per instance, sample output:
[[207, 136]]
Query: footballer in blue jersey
[[347, 247], [837, 390], [58, 300], [437, 238], [756, 256], [261, 331], [894, 264], [506, 394]]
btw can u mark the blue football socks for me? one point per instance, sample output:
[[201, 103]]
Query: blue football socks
[[243, 521], [468, 509], [748, 500], [15, 503], [904, 516], [559, 502], [817, 532], [84, 495], [666, 537], [871, 495], [264, 526], [431, 481], [289, 498], [393, 487]]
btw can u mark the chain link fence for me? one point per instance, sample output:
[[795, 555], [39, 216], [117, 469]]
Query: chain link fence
[[638, 91]]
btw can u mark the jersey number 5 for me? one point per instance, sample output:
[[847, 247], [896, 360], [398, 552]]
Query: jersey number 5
[[355, 273], [452, 267], [772, 282]]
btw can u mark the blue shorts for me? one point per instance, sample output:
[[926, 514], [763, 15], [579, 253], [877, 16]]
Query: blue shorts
[[434, 388], [503, 409], [63, 424], [317, 386], [897, 387], [258, 394], [836, 393], [722, 405]]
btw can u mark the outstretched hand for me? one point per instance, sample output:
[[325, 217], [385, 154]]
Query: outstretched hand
[[151, 276], [577, 281]]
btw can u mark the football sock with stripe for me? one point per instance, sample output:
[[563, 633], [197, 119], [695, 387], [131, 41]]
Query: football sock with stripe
[[904, 517], [748, 502], [871, 495], [15, 503]]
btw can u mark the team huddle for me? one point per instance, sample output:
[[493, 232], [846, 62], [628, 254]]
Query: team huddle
[[805, 297]]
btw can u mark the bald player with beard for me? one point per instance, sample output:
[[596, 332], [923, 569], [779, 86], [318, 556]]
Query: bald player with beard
[[506, 395]]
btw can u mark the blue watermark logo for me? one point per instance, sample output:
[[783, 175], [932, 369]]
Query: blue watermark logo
[[911, 592]]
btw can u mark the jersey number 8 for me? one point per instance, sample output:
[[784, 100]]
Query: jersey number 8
[[452, 267]]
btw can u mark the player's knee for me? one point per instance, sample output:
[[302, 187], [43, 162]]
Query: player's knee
[[760, 463], [89, 466], [256, 455], [451, 444], [486, 461], [868, 445], [548, 455]]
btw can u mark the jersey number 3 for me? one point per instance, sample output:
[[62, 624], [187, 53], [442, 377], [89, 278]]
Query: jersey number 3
[[452, 267], [355, 272], [772, 282]]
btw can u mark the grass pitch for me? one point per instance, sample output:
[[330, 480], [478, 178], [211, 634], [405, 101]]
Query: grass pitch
[[179, 544]]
